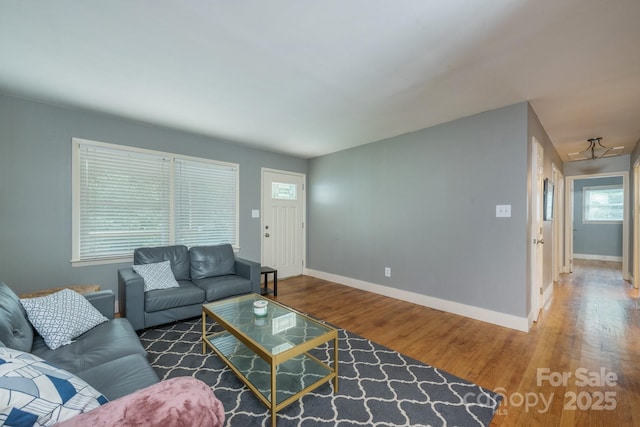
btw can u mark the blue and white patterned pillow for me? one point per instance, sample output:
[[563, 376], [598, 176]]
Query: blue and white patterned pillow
[[35, 393], [156, 275], [61, 316]]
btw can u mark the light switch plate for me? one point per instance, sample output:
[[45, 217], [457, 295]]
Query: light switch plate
[[255, 213], [503, 211]]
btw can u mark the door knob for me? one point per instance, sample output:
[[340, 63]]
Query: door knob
[[266, 235], [541, 241]]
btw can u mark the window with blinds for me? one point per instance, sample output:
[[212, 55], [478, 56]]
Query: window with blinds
[[125, 198], [206, 201]]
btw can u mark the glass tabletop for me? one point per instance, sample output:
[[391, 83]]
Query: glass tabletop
[[276, 331]]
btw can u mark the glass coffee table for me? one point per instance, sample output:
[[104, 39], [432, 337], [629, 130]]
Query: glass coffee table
[[269, 349]]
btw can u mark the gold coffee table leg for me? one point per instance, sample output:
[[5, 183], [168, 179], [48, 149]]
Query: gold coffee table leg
[[274, 397], [335, 363], [204, 333]]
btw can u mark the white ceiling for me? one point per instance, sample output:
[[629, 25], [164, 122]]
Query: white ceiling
[[314, 77]]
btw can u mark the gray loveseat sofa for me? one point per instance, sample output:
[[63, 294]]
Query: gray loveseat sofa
[[109, 357], [204, 273]]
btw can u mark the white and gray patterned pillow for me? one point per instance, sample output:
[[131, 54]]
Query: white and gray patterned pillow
[[33, 392], [156, 275], [61, 316]]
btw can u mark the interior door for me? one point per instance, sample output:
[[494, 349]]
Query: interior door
[[283, 201], [537, 228]]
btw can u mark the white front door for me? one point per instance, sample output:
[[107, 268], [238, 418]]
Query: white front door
[[283, 201], [537, 228]]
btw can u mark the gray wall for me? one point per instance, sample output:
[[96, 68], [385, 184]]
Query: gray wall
[[35, 188], [594, 239], [423, 204]]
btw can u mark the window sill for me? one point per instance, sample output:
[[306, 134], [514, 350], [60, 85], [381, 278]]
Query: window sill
[[101, 261]]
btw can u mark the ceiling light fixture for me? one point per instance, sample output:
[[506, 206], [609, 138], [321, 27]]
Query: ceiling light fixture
[[596, 150]]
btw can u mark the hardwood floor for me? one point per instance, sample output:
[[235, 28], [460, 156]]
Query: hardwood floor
[[589, 326]]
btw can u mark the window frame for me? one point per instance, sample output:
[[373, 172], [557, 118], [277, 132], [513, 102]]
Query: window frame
[[76, 143], [585, 205]]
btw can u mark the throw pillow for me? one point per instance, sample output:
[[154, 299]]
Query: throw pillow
[[61, 316], [33, 392], [156, 275]]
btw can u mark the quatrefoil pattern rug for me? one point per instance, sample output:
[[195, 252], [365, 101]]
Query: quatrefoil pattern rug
[[377, 386]]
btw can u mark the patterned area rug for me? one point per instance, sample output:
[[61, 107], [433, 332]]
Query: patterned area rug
[[377, 386]]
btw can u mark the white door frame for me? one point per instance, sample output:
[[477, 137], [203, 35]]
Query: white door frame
[[636, 224], [558, 222], [536, 231], [568, 243], [568, 222], [304, 212]]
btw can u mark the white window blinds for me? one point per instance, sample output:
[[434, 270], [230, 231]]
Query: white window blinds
[[124, 202], [126, 198], [206, 203]]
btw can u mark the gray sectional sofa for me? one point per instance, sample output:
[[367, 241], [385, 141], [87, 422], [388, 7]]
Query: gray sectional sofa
[[203, 273], [109, 356]]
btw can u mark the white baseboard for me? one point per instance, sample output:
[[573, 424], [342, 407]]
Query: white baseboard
[[501, 319], [598, 257]]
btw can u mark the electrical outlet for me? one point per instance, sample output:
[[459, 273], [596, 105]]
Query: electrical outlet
[[387, 272], [503, 211]]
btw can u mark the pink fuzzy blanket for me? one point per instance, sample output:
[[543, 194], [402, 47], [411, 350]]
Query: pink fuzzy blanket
[[183, 401]]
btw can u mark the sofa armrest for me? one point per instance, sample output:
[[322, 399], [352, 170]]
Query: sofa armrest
[[249, 270], [104, 301], [131, 297], [182, 401]]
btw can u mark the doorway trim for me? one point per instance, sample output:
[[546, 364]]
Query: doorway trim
[[558, 223], [568, 243], [536, 231], [636, 225]]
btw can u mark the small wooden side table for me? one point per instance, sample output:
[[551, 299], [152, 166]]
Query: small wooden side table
[[265, 290], [81, 289]]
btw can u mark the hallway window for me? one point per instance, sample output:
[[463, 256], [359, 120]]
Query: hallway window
[[603, 204]]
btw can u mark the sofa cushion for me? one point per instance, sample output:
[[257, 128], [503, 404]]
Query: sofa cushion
[[156, 275], [15, 330], [223, 286], [33, 392], [212, 261], [163, 299], [177, 255], [107, 341], [121, 376], [61, 316]]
